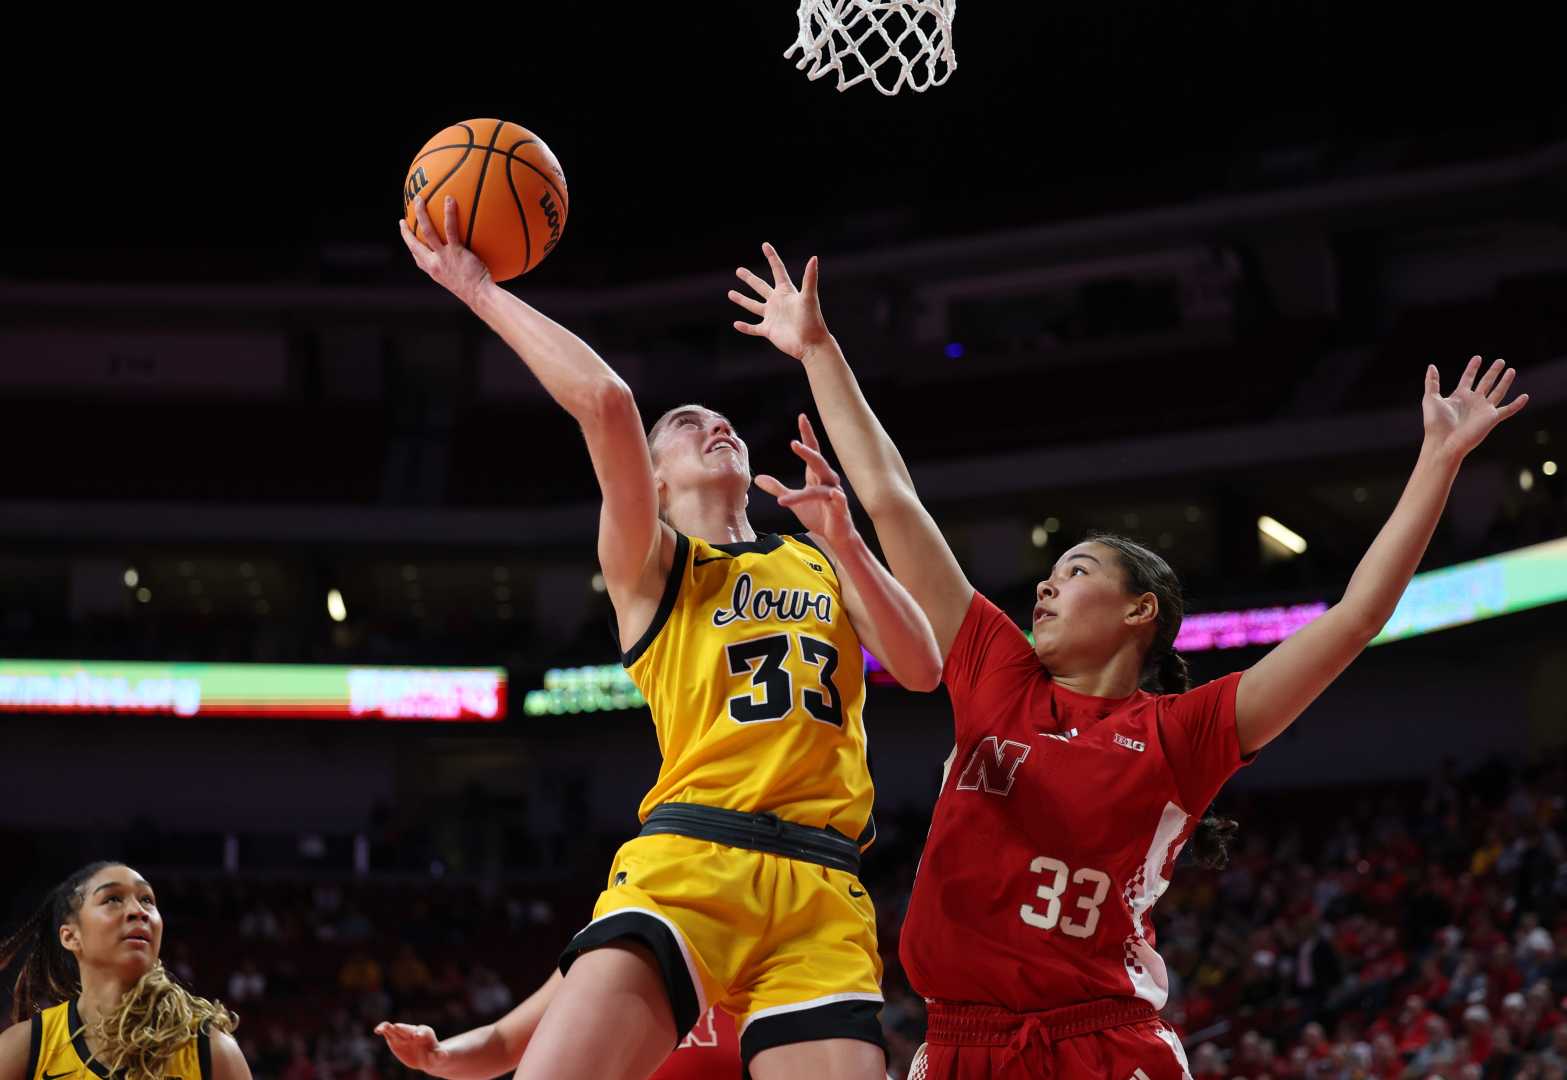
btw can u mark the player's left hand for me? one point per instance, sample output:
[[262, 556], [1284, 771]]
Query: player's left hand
[[1460, 422], [451, 264], [821, 503], [791, 318]]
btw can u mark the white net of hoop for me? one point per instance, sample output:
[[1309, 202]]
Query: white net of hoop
[[893, 43]]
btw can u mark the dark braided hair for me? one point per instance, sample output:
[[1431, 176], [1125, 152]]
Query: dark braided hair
[[49, 973], [1165, 670]]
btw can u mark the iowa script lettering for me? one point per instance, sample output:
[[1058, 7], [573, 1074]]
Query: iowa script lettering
[[785, 605]]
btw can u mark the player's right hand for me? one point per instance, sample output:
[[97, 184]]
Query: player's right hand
[[459, 270], [415, 1045]]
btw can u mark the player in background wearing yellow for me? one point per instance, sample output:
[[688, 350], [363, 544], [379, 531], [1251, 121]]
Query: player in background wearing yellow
[[93, 1001], [741, 889]]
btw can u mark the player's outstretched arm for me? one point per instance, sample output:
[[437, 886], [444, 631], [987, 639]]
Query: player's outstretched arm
[[630, 535], [884, 615], [916, 551], [490, 1050], [1277, 689]]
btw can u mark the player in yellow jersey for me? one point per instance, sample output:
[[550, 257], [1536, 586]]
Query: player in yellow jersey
[[93, 1001], [741, 890]]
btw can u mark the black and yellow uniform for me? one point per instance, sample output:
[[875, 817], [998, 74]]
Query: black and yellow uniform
[[756, 684], [58, 1050]]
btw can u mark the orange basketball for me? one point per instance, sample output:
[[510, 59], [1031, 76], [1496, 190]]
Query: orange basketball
[[510, 192]]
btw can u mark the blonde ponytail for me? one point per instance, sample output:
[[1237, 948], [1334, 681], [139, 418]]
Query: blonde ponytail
[[154, 1019]]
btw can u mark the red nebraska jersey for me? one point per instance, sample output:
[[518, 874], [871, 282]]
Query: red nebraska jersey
[[711, 1051], [1056, 828]]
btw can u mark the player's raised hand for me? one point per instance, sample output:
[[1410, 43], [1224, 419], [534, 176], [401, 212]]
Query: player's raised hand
[[461, 271], [821, 505], [791, 318], [1460, 421], [415, 1045]]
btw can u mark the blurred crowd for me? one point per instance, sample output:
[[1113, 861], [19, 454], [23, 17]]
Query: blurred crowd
[[1400, 933]]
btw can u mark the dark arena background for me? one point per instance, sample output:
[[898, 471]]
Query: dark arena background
[[1170, 270]]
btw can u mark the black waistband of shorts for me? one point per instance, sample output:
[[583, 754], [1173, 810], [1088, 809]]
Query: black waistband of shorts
[[755, 832]]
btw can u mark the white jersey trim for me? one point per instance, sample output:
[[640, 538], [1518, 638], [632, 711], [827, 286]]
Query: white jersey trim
[[830, 999], [702, 1004], [1173, 1041], [1144, 966]]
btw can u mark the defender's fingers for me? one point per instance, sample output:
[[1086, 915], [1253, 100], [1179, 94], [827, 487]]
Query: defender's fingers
[[1499, 391], [780, 272], [755, 307], [798, 498], [763, 289], [770, 485], [808, 433], [1512, 407], [814, 459], [1488, 381], [809, 278], [1466, 381]]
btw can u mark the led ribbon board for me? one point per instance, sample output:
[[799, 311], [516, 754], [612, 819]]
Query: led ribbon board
[[304, 691], [594, 688], [1483, 589], [1435, 600]]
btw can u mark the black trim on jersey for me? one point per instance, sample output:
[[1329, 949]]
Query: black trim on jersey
[[838, 1020], [35, 1045], [73, 1020], [807, 538], [204, 1053], [666, 603], [868, 834], [642, 927], [762, 545]]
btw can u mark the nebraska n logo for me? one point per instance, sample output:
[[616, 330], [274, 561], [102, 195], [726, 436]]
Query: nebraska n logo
[[993, 766], [704, 1034]]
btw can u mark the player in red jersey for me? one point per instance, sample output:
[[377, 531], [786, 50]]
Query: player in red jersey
[[710, 1050], [1075, 781]]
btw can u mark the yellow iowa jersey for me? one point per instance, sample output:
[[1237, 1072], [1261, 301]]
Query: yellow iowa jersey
[[58, 1051], [756, 683]]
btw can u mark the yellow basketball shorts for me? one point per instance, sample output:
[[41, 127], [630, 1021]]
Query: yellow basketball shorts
[[787, 947]]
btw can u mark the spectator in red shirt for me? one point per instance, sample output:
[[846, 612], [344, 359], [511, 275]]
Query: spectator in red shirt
[[1477, 1027], [1412, 1027], [1386, 1062]]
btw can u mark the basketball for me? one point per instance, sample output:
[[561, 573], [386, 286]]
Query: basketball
[[510, 192]]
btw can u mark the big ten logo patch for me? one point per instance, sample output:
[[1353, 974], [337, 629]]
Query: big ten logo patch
[[704, 1034]]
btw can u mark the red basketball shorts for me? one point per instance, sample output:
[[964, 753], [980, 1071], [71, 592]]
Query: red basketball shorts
[[1115, 1039]]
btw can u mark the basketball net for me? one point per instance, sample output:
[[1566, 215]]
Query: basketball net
[[893, 43]]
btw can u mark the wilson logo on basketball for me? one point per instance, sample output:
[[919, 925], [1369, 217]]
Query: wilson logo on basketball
[[417, 182], [551, 215]]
